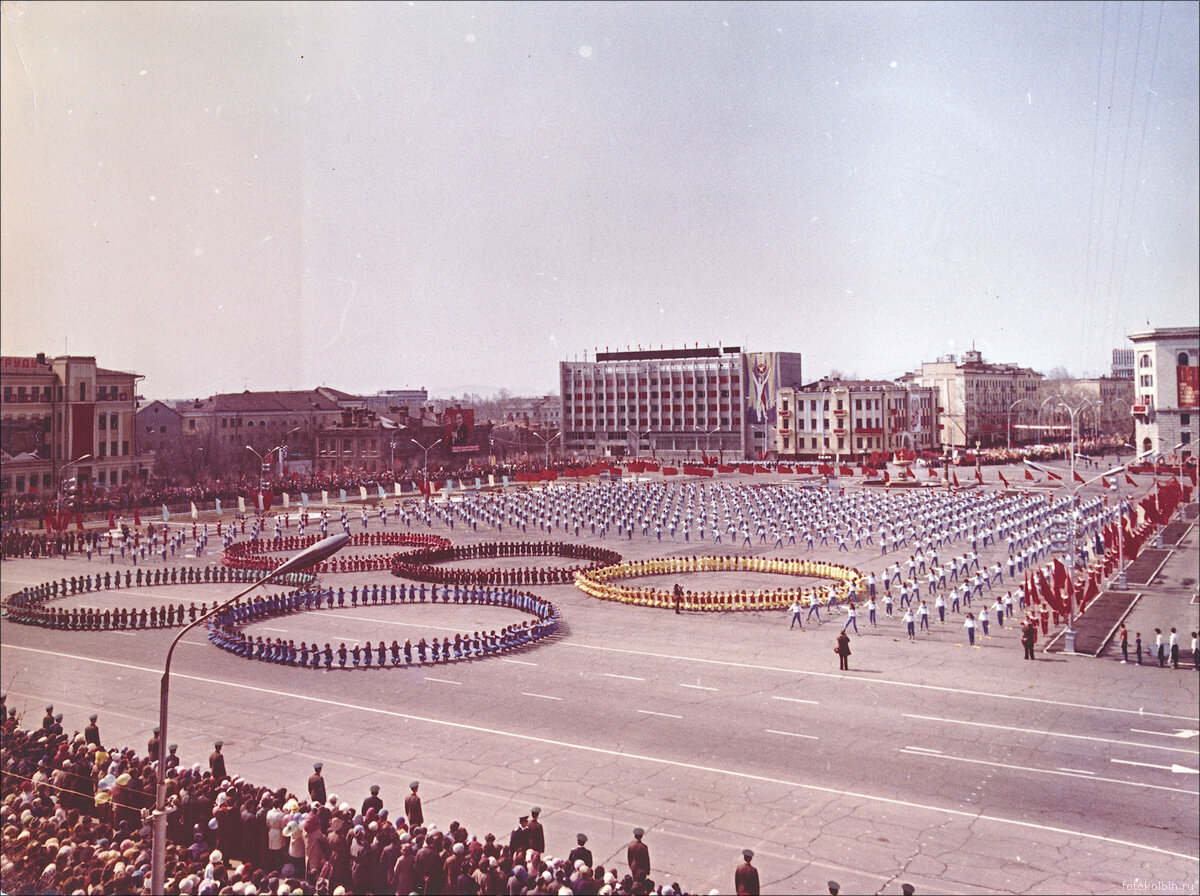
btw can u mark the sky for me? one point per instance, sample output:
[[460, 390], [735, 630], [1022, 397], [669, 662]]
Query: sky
[[458, 196]]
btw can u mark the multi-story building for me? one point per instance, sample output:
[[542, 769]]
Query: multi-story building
[[56, 411], [980, 403], [544, 412], [675, 402], [1122, 363], [1101, 407], [1166, 364], [392, 400], [159, 425], [853, 419], [359, 440]]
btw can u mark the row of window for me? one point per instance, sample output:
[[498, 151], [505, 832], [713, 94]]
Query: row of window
[[22, 483], [23, 394], [330, 446]]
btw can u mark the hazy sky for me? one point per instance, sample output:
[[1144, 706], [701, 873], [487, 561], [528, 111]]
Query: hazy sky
[[459, 196]]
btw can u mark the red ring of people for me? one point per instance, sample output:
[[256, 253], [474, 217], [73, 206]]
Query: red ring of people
[[422, 565], [595, 582], [28, 606], [225, 628], [253, 554]]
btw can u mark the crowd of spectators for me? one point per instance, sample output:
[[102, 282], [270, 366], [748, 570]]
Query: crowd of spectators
[[74, 819]]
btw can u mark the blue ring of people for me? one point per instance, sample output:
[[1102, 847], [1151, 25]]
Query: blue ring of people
[[225, 628], [424, 565], [28, 606], [255, 553], [846, 583]]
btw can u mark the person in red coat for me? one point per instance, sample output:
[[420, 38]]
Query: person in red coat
[[745, 879]]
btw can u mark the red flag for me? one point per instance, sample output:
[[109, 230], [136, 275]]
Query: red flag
[[1129, 480], [137, 517], [1060, 576], [955, 475], [1104, 482], [1054, 476], [979, 474], [49, 521], [111, 522], [908, 472], [1002, 479], [1076, 476], [79, 521], [886, 477], [843, 470], [1028, 475], [932, 473]]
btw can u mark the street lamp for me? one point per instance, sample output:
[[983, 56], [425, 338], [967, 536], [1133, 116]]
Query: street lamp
[[1010, 410], [158, 846], [707, 441], [1042, 407], [637, 440], [58, 484], [546, 442], [426, 450], [1073, 411]]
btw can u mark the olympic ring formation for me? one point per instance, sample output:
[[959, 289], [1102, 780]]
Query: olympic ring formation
[[421, 565], [253, 553], [596, 583], [28, 606], [224, 629]]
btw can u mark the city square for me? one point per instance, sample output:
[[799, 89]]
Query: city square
[[929, 762]]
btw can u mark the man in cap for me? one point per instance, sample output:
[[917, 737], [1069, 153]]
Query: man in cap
[[745, 879], [373, 801], [580, 852], [91, 734], [834, 888], [638, 855], [316, 786], [907, 889], [48, 719], [172, 756], [216, 762], [412, 806], [537, 836], [152, 746], [518, 840]]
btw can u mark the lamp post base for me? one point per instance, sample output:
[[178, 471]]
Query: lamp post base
[[1069, 641]]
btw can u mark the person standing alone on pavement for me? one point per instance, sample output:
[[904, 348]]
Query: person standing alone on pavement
[[843, 650], [745, 879], [1124, 638]]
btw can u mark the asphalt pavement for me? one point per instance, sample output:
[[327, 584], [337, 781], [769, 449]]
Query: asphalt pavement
[[953, 768]]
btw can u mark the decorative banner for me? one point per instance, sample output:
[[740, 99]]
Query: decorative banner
[[166, 513], [1187, 380], [195, 513], [397, 489], [241, 504], [491, 478], [324, 497], [342, 495], [287, 500], [362, 492], [458, 430], [304, 500], [382, 493], [218, 505]]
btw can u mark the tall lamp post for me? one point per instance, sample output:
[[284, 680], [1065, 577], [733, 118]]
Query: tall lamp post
[[547, 443], [58, 484], [637, 440], [1010, 410], [426, 450], [707, 441], [158, 846]]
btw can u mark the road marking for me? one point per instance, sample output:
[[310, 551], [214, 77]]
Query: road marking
[[792, 734], [697, 687], [1039, 826], [1182, 733], [1103, 740], [543, 696], [1177, 769], [630, 677], [796, 700], [925, 750], [518, 662], [1077, 771], [904, 684], [283, 630], [1047, 771], [651, 712], [442, 680]]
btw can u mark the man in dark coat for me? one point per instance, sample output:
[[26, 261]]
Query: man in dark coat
[[316, 786], [518, 840], [745, 879], [216, 762], [412, 807], [373, 801], [638, 856], [91, 734], [843, 650], [580, 852], [537, 836]]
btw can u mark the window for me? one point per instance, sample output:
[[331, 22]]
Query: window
[[125, 449], [1182, 360], [102, 420], [192, 425], [103, 445], [1185, 419], [1144, 361], [1185, 438]]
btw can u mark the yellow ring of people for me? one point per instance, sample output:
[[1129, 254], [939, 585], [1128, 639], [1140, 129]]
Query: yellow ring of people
[[599, 583]]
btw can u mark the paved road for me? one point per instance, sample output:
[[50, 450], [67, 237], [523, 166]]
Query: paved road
[[955, 769]]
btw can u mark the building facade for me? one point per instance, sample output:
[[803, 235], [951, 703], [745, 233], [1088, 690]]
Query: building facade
[[392, 400], [1102, 406], [838, 419], [673, 403], [56, 411], [1166, 364], [1122, 364], [980, 403]]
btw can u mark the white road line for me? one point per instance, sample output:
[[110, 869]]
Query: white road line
[[614, 675], [1178, 769], [1180, 733], [517, 662], [1103, 740], [543, 696], [1077, 771], [792, 734], [925, 750], [797, 700], [442, 680], [282, 630], [697, 687], [651, 712], [1047, 771], [1039, 826], [904, 684]]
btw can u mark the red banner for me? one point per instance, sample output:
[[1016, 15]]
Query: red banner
[[458, 430], [670, 471], [724, 468], [844, 470], [83, 428], [1187, 381], [785, 469], [746, 468], [804, 471], [697, 471]]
